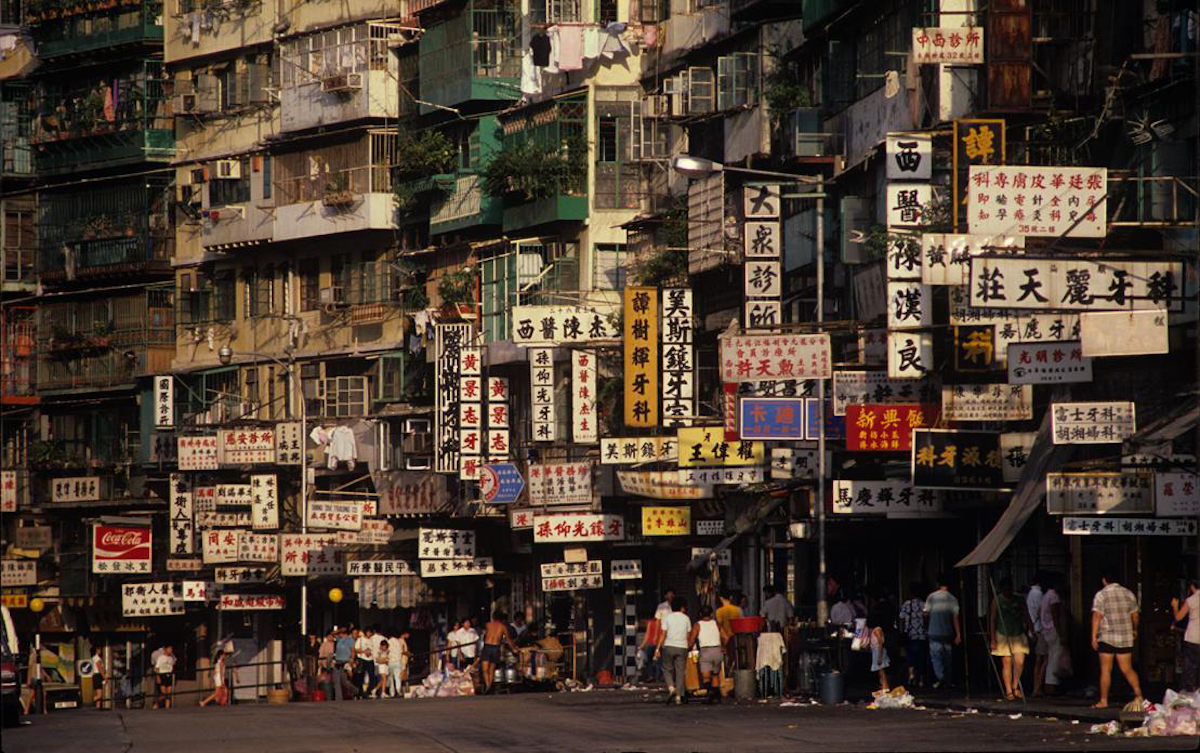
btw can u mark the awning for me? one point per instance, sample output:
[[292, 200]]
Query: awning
[[1180, 419], [1044, 457]]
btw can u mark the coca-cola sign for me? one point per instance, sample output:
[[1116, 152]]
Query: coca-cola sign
[[120, 549]]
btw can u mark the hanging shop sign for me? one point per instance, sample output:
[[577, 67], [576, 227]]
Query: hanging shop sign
[[861, 387], [541, 384], [1065, 202], [257, 547], [721, 559], [288, 443], [8, 491], [564, 325], [161, 599], [34, 537], [181, 520], [945, 258], [1100, 493], [1092, 423], [666, 521], [758, 358], [1124, 333], [678, 358], [584, 421], [571, 527], [1015, 448], [976, 142], [197, 453], [872, 346], [886, 428], [472, 436], [883, 497], [946, 459], [794, 462], [560, 484], [198, 590], [1129, 527], [457, 567], [1010, 325], [75, 489], [232, 496], [706, 446], [909, 156], [835, 426], [1048, 363], [184, 565], [220, 547], [310, 554], [445, 544], [904, 256], [1075, 284], [562, 569], [975, 348], [632, 450], [339, 516], [641, 356], [264, 502], [910, 354], [1176, 494], [360, 568], [520, 519], [987, 402], [870, 293], [660, 485], [761, 239], [18, 572], [372, 533], [625, 569], [910, 305], [961, 45], [575, 580], [448, 342], [710, 527], [232, 576], [761, 201], [120, 549], [209, 519], [906, 204], [250, 602], [725, 475], [771, 418], [498, 446], [501, 483], [164, 402], [247, 446]]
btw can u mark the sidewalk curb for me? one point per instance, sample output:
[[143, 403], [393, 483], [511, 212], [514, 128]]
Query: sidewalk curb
[[1084, 715]]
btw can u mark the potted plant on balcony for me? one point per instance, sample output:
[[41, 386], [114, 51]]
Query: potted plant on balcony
[[338, 194], [457, 291], [525, 172]]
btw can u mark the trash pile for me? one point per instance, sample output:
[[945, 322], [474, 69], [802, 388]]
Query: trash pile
[[896, 698], [447, 684], [1178, 714]]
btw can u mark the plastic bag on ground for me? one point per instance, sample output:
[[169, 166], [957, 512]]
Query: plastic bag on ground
[[896, 698]]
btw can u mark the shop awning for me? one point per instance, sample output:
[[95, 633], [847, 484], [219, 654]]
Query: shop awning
[[1182, 418], [1044, 456]]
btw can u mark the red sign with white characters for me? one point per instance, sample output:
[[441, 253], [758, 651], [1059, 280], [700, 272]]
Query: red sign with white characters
[[120, 549], [886, 428]]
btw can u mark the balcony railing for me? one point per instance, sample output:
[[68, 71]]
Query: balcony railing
[[17, 349], [335, 186], [67, 28], [1157, 201], [473, 56]]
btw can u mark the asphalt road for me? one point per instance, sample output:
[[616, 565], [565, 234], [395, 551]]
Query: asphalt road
[[596, 721]]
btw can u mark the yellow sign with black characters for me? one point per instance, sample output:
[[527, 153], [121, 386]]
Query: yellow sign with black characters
[[976, 142], [641, 357], [705, 446], [666, 521]]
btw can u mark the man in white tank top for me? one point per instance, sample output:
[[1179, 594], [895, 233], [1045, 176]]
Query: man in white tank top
[[707, 633]]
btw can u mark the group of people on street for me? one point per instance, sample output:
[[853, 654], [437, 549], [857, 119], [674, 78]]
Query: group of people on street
[[363, 663]]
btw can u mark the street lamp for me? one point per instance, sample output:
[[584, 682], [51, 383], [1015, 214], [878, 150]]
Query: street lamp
[[699, 167], [225, 354]]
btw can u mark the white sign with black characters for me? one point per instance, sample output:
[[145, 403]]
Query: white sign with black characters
[[1022, 282], [946, 257], [1093, 423], [763, 279], [1015, 448], [182, 523], [904, 256], [289, 443], [449, 340], [732, 475], [1129, 526], [264, 502], [564, 325], [909, 156], [906, 203], [910, 305], [862, 387], [445, 544], [164, 402], [987, 402], [910, 355], [761, 201], [883, 497], [236, 575], [445, 568], [1100, 493], [359, 568], [625, 569], [762, 240], [161, 599], [678, 358]]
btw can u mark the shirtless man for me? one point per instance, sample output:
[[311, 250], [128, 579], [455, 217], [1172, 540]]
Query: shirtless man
[[494, 632]]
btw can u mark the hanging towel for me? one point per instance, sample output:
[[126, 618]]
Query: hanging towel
[[591, 42], [650, 36], [613, 44], [531, 77], [770, 651], [570, 47], [555, 44], [342, 447], [539, 45]]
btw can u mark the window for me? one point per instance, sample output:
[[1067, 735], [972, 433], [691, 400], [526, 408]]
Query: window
[[225, 296], [252, 399], [310, 284], [273, 408], [226, 191], [499, 293], [391, 377], [606, 11], [609, 266], [655, 11], [737, 80], [339, 276], [260, 291], [345, 396], [266, 176], [618, 145]]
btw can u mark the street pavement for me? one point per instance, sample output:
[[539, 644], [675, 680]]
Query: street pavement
[[591, 721]]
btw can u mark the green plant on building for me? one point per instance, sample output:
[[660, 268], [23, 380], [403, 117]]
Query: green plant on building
[[527, 171], [457, 287]]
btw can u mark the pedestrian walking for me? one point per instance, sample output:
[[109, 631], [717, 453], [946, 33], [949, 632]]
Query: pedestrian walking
[[97, 677], [220, 692], [944, 628], [364, 659], [1189, 608], [881, 617], [651, 665], [664, 607], [1114, 632], [400, 655], [706, 634], [1041, 648], [673, 648], [1008, 624], [1053, 618], [164, 670], [383, 670], [343, 658], [916, 640], [495, 634]]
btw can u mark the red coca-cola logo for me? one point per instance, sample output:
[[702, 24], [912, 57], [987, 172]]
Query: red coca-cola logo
[[121, 543], [118, 538]]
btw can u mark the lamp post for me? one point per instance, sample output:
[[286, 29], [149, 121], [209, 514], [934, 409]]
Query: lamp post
[[698, 167], [226, 354]]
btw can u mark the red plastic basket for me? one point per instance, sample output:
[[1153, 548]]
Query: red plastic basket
[[747, 625]]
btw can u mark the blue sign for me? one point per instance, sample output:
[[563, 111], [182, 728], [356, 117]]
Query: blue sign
[[835, 426], [501, 483], [771, 418]]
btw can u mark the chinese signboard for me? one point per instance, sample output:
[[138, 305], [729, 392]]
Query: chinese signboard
[[909, 156], [910, 354], [1099, 493], [584, 421], [974, 347], [341, 516], [372, 533], [470, 411], [630, 450], [445, 544], [570, 527], [501, 483], [560, 484], [1124, 333], [198, 590], [449, 568], [1129, 526], [724, 475], [164, 402], [771, 418], [541, 385], [34, 537], [945, 258], [243, 446], [910, 305], [706, 446], [558, 325], [1012, 325], [264, 502], [247, 602], [1092, 423], [573, 582], [1176, 495], [1055, 201], [18, 572], [952, 45], [678, 358], [151, 599], [976, 142], [379, 567], [944, 459], [987, 402], [232, 496], [75, 489], [757, 358], [1014, 451], [886, 428], [641, 357], [258, 547], [197, 453], [289, 444], [660, 485], [310, 554], [792, 463], [1075, 284], [1048, 363], [850, 387], [498, 423], [906, 203], [882, 497], [448, 342], [181, 521], [762, 239], [520, 519], [220, 547], [240, 575], [625, 569], [120, 549], [666, 521], [8, 491]]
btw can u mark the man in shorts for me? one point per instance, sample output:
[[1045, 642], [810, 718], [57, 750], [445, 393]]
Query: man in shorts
[[1114, 632], [707, 633], [164, 670], [495, 633]]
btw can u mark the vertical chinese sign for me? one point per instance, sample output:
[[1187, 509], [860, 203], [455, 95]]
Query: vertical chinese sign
[[678, 358], [470, 411], [976, 142], [762, 247], [583, 387], [641, 356], [182, 531], [164, 402], [264, 502], [541, 382], [497, 418], [449, 340]]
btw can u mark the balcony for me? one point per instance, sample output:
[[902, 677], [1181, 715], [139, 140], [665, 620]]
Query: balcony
[[804, 139], [106, 342], [16, 104], [559, 208], [65, 28], [339, 75], [464, 205], [545, 152], [474, 56], [114, 229], [17, 348], [1152, 201], [103, 122]]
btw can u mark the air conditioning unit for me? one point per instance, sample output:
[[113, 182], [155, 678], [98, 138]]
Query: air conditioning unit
[[228, 169], [655, 106], [342, 82], [417, 426], [423, 463], [194, 103]]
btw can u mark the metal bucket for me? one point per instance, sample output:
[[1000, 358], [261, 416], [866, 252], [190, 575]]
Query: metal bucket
[[511, 675], [832, 688]]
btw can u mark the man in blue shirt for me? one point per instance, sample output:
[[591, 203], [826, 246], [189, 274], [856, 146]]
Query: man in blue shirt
[[343, 654], [944, 630]]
